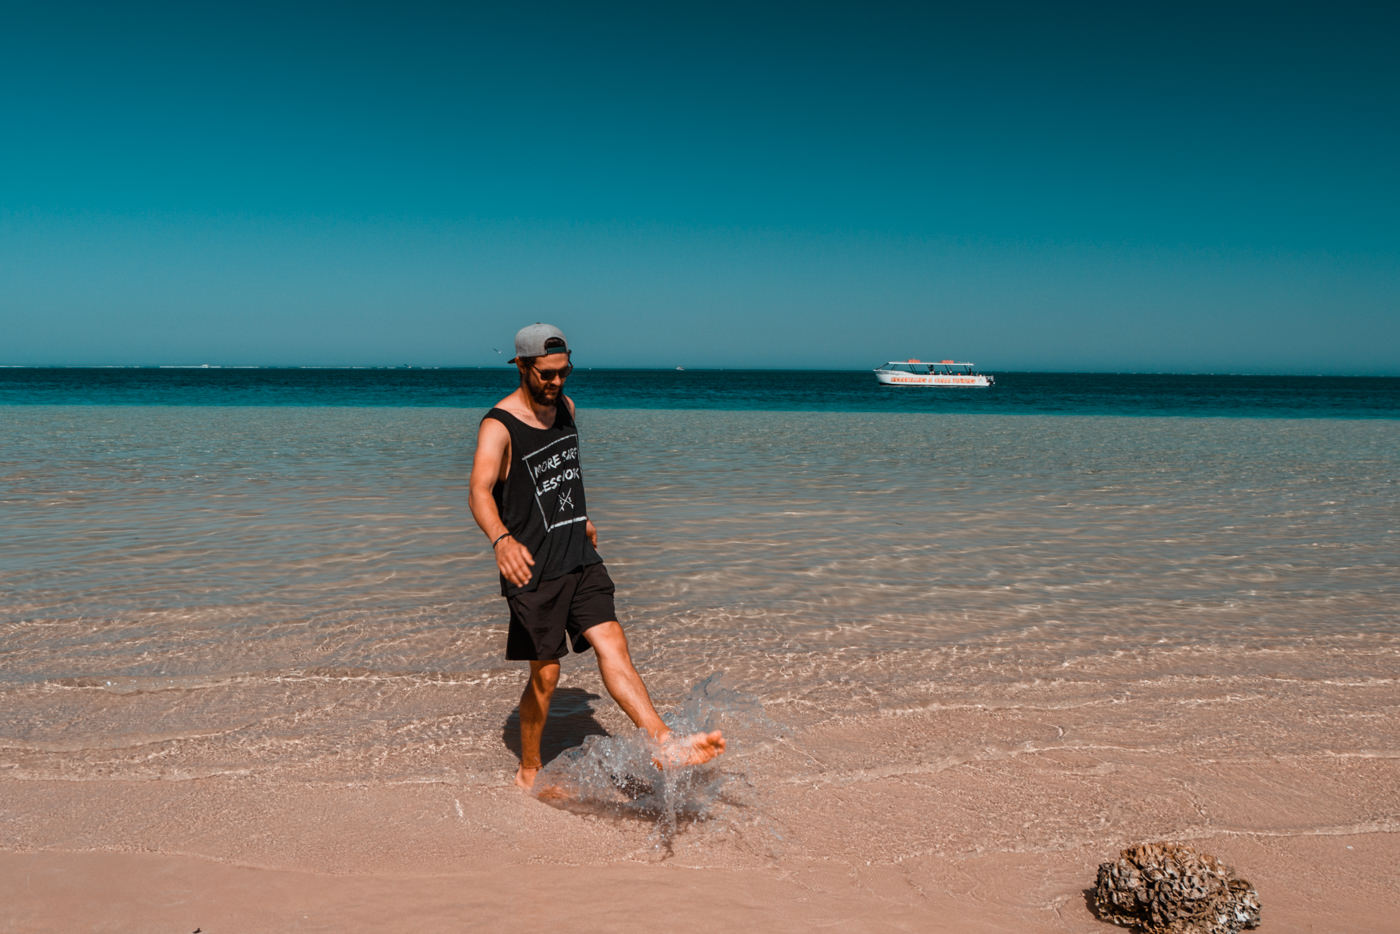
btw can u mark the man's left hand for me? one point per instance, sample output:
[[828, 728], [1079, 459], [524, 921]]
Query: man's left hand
[[591, 531]]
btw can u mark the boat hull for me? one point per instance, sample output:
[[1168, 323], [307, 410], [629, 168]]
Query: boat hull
[[952, 380]]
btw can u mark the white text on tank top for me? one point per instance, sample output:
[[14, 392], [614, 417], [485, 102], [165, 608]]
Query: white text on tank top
[[558, 482]]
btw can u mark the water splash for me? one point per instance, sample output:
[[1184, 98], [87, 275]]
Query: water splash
[[617, 776]]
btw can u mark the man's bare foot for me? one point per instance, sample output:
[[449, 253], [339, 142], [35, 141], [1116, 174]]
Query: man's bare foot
[[689, 750], [548, 789], [525, 778]]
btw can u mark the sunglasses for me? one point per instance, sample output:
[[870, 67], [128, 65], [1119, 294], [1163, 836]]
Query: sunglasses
[[548, 375]]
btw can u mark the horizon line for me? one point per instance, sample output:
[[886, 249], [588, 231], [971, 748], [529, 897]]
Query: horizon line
[[661, 369]]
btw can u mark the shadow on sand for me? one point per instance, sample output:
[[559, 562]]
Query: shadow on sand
[[570, 722]]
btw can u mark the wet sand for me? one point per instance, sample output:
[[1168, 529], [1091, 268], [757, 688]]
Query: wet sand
[[983, 814]]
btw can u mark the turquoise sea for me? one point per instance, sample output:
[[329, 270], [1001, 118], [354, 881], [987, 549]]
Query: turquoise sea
[[785, 390]]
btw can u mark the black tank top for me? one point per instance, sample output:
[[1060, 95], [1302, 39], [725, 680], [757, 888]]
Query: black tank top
[[541, 498]]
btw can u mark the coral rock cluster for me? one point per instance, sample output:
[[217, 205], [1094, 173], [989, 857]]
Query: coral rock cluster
[[1170, 888]]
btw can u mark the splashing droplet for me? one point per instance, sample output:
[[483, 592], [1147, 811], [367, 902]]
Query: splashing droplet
[[617, 776]]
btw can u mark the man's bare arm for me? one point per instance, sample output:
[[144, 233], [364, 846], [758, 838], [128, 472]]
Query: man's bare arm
[[488, 466]]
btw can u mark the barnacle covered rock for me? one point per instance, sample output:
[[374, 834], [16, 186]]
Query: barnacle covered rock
[[1170, 888]]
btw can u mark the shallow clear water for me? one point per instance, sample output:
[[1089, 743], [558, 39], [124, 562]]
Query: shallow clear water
[[300, 591]]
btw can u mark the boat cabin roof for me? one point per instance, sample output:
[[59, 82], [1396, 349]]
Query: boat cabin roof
[[921, 364]]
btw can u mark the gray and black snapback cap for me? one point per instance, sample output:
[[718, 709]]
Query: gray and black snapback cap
[[539, 340]]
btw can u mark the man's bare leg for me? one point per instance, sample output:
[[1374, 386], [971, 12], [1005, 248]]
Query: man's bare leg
[[534, 709], [626, 687]]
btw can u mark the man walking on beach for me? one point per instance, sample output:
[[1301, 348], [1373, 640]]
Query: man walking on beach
[[527, 496]]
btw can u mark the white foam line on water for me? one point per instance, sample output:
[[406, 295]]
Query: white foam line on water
[[1195, 833], [165, 775], [1336, 830], [986, 753]]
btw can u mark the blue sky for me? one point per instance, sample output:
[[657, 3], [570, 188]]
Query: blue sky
[[1147, 187]]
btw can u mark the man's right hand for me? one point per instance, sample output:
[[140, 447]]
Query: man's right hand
[[514, 561]]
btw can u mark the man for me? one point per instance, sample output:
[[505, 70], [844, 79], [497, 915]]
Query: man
[[527, 496]]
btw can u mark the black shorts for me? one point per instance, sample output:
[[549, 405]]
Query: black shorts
[[563, 606]]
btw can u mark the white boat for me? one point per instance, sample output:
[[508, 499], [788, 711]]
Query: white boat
[[932, 373]]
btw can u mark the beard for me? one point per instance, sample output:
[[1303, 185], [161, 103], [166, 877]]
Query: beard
[[542, 393]]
